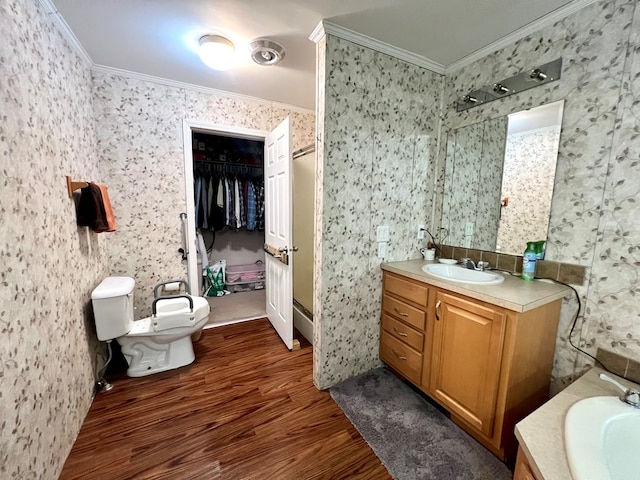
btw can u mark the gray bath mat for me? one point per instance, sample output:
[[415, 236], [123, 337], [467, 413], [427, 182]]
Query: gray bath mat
[[410, 436]]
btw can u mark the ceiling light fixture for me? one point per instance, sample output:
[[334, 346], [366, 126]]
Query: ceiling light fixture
[[217, 52], [266, 52]]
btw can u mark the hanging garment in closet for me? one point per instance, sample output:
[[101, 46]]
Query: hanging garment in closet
[[210, 199], [231, 217], [216, 213], [196, 191], [204, 217], [225, 201], [251, 206], [236, 190], [242, 218]]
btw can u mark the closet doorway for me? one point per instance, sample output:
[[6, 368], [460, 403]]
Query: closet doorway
[[243, 246], [222, 161]]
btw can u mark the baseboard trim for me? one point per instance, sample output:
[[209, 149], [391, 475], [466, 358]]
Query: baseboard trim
[[303, 324]]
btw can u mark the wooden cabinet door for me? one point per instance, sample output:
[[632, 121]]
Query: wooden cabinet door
[[466, 359]]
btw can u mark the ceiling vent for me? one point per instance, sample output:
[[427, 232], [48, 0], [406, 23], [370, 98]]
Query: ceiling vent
[[266, 52]]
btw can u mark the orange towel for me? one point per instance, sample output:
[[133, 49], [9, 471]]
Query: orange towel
[[111, 219]]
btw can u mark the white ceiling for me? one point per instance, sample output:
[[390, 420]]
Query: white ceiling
[[159, 37]]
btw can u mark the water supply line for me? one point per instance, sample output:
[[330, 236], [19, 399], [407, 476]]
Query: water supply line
[[102, 385]]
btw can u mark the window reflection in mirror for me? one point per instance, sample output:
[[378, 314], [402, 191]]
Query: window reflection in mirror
[[499, 177]]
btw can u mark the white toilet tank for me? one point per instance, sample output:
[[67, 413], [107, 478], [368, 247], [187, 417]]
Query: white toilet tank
[[113, 307]]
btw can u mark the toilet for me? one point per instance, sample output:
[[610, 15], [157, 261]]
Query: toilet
[[154, 344]]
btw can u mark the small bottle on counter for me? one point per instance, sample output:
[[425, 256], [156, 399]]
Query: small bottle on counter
[[529, 262]]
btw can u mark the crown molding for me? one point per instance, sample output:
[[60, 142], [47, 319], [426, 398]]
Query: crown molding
[[195, 88], [318, 32], [66, 31], [377, 45], [544, 21]]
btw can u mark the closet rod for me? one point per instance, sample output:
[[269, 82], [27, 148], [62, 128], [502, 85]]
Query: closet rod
[[226, 164]]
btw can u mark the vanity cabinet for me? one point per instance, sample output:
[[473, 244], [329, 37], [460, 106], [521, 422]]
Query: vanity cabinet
[[487, 365], [404, 317], [466, 359], [522, 470]]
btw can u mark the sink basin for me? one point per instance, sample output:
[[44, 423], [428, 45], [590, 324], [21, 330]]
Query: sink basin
[[602, 437], [456, 273]]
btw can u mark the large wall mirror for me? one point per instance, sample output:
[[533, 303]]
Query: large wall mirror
[[499, 177]]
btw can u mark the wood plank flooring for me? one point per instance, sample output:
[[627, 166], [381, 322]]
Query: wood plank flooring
[[245, 409]]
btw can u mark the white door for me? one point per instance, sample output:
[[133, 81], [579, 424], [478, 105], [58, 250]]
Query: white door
[[278, 231]]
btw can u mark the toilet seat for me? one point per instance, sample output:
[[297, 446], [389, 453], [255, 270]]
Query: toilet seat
[[173, 315]]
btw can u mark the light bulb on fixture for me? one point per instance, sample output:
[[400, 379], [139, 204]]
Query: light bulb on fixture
[[500, 88], [217, 52]]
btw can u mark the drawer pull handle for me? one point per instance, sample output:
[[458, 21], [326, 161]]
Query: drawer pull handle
[[400, 334], [438, 310], [398, 355], [402, 314]]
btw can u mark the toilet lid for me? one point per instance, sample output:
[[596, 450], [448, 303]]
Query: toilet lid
[[112, 287]]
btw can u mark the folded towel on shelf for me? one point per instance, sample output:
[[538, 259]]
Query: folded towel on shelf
[[94, 209]]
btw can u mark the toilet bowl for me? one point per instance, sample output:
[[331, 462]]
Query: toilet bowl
[[154, 344]]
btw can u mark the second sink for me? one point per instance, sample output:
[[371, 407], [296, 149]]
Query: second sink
[[455, 273], [601, 438]]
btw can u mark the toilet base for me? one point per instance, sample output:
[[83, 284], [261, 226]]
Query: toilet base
[[146, 357]]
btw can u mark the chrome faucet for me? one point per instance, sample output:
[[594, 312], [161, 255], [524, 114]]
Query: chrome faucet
[[629, 396], [468, 263], [471, 265]]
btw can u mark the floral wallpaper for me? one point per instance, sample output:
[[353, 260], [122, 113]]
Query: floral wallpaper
[[380, 163], [593, 220], [49, 266], [529, 171], [377, 149], [139, 129]]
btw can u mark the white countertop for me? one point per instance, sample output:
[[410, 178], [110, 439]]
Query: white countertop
[[541, 434], [513, 294]]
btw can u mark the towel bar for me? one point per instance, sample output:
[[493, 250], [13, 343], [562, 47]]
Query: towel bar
[[73, 186]]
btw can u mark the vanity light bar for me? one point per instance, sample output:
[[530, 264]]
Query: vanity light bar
[[530, 78]]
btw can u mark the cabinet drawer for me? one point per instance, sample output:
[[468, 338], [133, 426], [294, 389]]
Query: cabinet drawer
[[411, 290], [403, 358], [403, 311], [402, 332]]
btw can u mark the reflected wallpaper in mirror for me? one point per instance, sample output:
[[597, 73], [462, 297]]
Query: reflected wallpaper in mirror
[[499, 177]]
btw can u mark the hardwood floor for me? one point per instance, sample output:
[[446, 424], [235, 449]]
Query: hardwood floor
[[245, 409]]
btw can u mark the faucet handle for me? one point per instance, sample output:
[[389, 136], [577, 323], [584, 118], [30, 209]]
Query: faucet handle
[[632, 397], [483, 266]]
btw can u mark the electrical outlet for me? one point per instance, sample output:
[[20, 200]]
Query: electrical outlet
[[421, 229], [382, 249], [382, 233], [468, 229]]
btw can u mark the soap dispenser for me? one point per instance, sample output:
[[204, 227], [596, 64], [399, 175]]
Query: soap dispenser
[[529, 262]]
